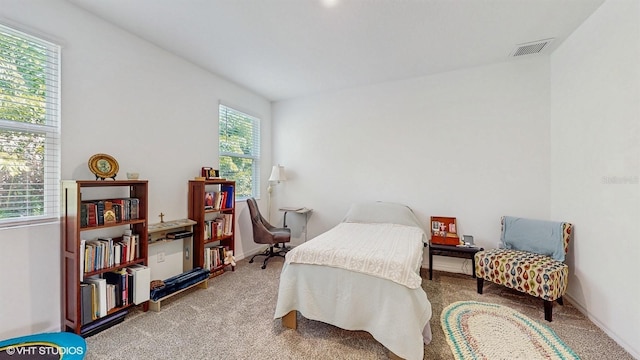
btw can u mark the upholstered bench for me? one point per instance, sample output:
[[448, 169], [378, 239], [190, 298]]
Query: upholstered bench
[[519, 267]]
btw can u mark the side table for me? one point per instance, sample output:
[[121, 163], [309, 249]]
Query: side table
[[453, 251], [298, 210]]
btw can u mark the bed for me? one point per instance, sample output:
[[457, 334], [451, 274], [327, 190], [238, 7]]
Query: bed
[[363, 274]]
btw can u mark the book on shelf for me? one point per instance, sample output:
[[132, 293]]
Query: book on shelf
[[134, 211], [86, 303], [100, 295], [220, 200], [215, 200], [228, 224], [141, 279], [101, 212], [179, 234], [111, 297], [109, 213], [120, 282], [214, 256], [83, 246], [121, 208], [108, 252], [228, 191], [117, 254], [84, 216], [215, 228], [130, 246], [91, 213]]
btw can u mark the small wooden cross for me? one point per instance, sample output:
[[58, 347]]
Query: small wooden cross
[[161, 217]]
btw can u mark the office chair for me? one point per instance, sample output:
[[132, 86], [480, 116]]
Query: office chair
[[265, 233]]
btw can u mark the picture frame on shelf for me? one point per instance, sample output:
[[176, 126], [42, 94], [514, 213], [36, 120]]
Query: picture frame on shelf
[[103, 166], [208, 200], [210, 173], [444, 230]]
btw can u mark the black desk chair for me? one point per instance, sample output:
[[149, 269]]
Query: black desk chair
[[265, 233]]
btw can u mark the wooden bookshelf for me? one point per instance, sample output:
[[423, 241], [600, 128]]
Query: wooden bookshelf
[[205, 213], [74, 230]]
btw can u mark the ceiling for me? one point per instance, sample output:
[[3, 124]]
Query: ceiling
[[284, 49]]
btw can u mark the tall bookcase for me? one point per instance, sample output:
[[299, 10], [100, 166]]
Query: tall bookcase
[[207, 233], [76, 230]]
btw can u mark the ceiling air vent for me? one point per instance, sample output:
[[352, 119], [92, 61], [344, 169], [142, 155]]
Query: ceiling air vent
[[530, 48]]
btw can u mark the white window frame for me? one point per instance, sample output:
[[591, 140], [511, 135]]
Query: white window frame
[[50, 130]]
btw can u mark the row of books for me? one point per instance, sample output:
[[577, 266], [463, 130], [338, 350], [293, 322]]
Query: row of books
[[107, 252], [102, 212], [101, 294], [217, 200], [218, 227], [214, 256]]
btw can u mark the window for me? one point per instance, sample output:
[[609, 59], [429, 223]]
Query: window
[[240, 151], [29, 129]]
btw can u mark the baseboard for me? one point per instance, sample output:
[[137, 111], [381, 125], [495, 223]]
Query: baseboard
[[603, 327]]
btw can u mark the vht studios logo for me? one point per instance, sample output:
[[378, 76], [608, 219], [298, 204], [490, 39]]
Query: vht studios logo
[[43, 350]]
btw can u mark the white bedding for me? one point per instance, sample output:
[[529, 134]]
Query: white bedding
[[376, 296], [388, 251], [396, 316]]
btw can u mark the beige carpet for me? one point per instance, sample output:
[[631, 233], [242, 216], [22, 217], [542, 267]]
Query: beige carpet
[[233, 319]]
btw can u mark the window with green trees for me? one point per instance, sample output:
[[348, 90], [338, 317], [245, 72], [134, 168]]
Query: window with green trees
[[239, 135], [29, 128]]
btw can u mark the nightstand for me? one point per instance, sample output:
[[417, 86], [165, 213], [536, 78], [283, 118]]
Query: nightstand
[[453, 251]]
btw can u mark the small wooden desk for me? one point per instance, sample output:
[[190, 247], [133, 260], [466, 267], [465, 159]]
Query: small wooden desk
[[453, 251], [298, 210]]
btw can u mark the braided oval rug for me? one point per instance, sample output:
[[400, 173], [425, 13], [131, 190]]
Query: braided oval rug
[[476, 330]]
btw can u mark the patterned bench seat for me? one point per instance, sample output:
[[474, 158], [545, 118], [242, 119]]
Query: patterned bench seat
[[527, 272]]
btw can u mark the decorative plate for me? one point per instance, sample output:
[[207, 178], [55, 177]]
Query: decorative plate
[[103, 166]]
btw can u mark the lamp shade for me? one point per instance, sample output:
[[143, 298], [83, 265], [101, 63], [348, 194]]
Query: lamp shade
[[277, 173]]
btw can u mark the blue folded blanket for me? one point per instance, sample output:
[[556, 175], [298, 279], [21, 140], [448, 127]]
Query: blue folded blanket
[[537, 236], [179, 282]]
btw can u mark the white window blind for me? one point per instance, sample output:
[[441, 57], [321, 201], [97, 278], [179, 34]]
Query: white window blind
[[239, 135], [29, 129]]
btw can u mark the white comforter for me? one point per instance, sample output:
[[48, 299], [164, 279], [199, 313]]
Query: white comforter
[[388, 251], [362, 277], [396, 316]]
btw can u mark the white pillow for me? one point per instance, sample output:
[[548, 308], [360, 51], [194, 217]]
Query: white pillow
[[381, 212]]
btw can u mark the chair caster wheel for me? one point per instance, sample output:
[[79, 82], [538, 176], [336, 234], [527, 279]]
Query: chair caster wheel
[[264, 267], [250, 261]]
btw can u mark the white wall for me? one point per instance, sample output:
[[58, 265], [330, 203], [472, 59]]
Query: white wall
[[595, 165], [154, 112], [473, 144]]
